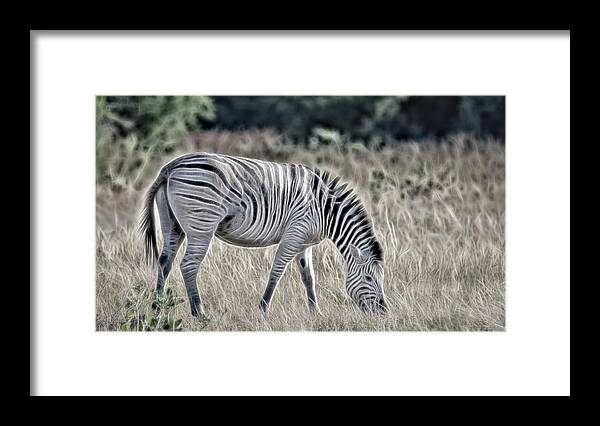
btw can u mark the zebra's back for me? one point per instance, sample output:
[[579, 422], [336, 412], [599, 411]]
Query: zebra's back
[[252, 202]]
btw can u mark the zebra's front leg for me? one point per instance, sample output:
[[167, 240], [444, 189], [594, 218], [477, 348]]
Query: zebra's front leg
[[284, 255], [196, 250], [307, 272]]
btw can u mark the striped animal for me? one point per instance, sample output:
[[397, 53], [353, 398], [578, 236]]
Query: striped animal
[[253, 203]]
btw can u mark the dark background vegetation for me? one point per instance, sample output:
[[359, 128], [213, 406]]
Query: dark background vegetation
[[364, 118], [132, 131]]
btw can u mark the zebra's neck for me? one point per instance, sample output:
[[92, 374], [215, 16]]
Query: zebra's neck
[[345, 220]]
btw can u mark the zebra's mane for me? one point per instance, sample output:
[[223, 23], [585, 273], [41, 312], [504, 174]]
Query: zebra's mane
[[339, 192]]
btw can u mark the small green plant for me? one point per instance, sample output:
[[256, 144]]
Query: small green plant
[[145, 311]]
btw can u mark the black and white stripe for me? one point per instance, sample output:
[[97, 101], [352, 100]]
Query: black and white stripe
[[254, 203]]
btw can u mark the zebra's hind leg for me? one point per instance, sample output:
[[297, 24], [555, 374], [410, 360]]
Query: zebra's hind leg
[[172, 238], [197, 247], [307, 272], [284, 255]]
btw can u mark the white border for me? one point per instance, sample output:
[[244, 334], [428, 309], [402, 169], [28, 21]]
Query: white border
[[531, 357]]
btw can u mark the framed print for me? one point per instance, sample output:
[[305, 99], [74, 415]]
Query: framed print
[[255, 211]]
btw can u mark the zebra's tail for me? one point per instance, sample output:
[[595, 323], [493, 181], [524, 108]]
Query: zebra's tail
[[147, 228]]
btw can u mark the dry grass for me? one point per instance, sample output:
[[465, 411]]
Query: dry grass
[[438, 210]]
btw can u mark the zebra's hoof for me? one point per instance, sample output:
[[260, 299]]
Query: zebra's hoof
[[199, 314], [315, 312], [203, 318]]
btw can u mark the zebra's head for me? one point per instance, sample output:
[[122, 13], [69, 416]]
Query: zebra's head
[[365, 278]]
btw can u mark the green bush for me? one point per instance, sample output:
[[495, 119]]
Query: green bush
[[131, 131]]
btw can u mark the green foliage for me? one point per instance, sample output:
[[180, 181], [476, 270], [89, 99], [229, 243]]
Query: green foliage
[[145, 311], [131, 131]]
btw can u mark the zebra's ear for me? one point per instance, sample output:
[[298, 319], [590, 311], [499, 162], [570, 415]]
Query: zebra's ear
[[359, 255]]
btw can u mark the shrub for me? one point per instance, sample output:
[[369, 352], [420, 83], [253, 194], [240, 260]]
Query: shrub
[[144, 312], [132, 131]]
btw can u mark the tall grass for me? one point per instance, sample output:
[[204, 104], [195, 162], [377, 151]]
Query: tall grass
[[437, 207]]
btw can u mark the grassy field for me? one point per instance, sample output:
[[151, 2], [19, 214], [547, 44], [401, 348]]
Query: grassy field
[[438, 210]]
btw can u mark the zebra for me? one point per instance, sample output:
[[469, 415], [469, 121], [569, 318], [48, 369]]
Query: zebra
[[255, 203]]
